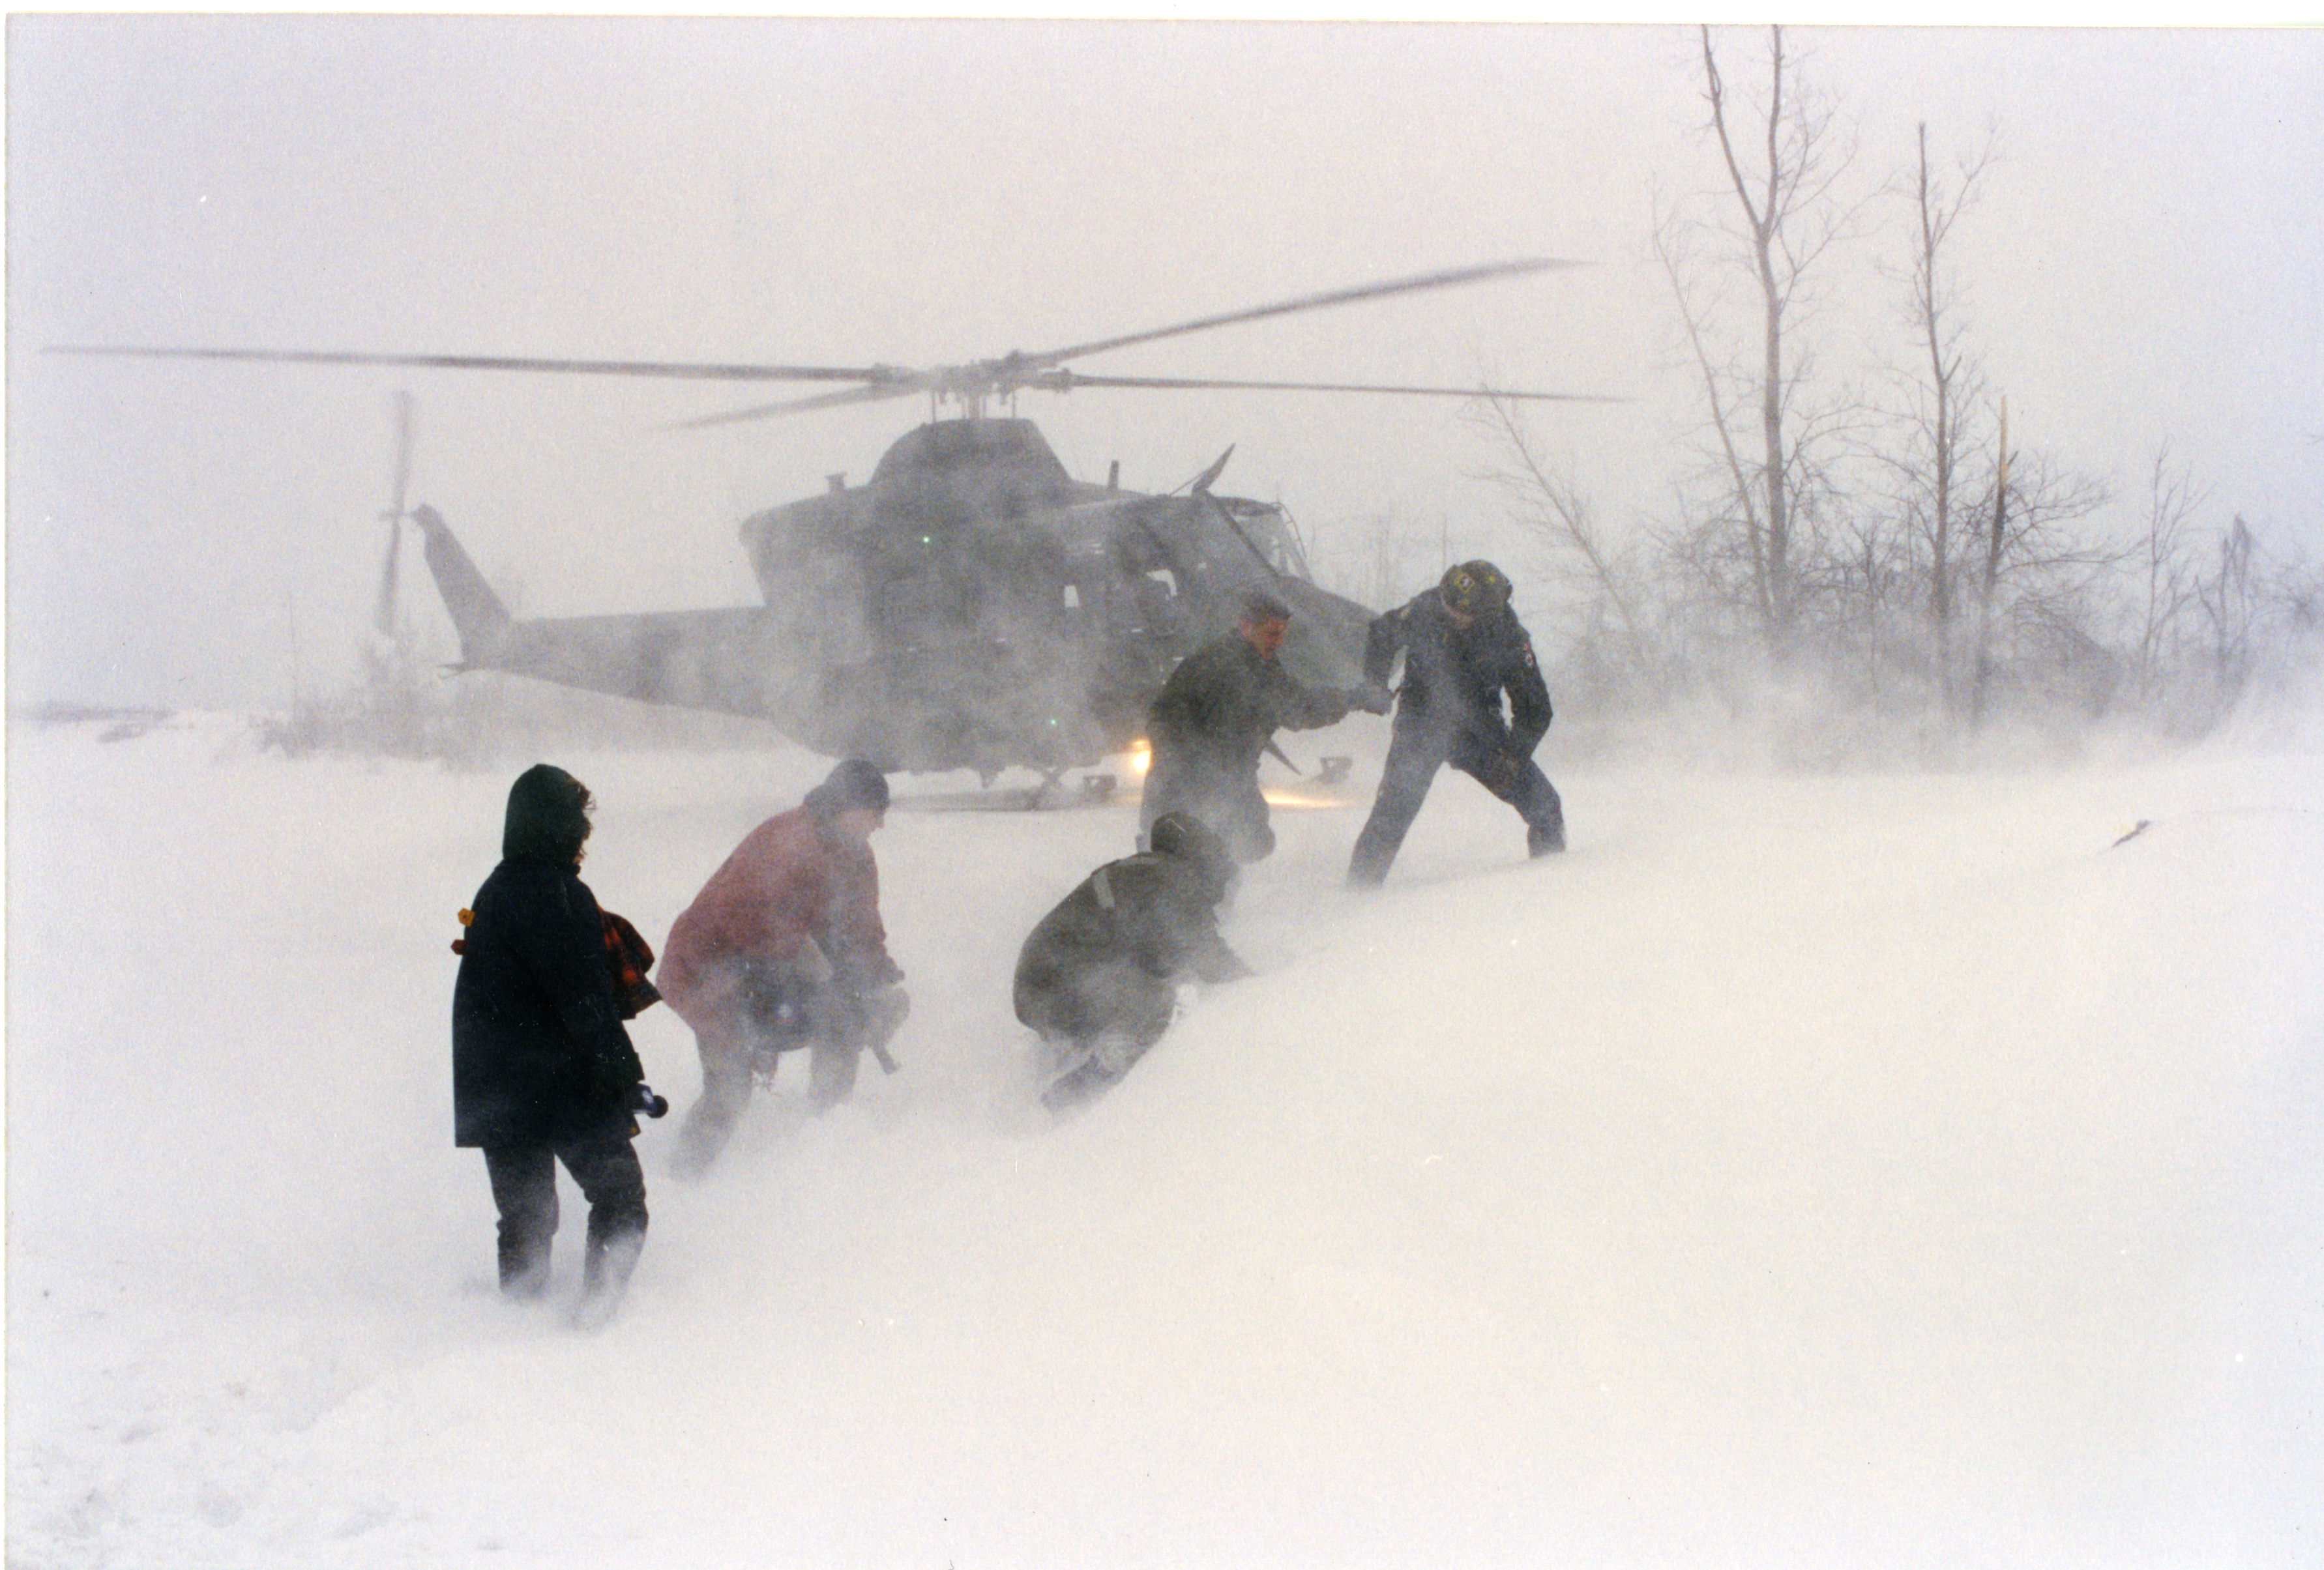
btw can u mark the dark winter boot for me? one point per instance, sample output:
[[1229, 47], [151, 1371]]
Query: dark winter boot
[[524, 1191], [524, 1264], [1085, 1083], [606, 1276], [605, 1165], [1535, 800], [1107, 1058]]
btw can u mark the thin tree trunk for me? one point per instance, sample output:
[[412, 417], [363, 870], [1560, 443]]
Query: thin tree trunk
[[1763, 218], [1992, 579]]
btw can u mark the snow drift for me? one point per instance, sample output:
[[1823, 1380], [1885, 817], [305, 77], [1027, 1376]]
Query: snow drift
[[1878, 1170]]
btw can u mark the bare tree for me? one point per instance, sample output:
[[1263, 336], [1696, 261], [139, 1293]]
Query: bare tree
[[1370, 559], [2164, 552], [1549, 506], [1869, 572], [2033, 570], [1941, 392], [1786, 216], [2230, 601]]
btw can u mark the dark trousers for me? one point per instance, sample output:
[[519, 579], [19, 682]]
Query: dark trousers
[[1229, 802], [733, 1052], [1072, 1004], [524, 1187], [1414, 757], [1076, 1008]]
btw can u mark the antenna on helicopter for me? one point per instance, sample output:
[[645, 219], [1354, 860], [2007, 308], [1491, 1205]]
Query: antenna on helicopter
[[384, 612], [1200, 485]]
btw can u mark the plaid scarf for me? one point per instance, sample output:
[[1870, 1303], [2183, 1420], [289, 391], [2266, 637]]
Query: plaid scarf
[[627, 954], [631, 957]]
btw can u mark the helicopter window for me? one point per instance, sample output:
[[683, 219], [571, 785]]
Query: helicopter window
[[1278, 538], [1156, 594]]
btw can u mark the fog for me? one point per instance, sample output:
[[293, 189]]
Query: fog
[[2140, 271]]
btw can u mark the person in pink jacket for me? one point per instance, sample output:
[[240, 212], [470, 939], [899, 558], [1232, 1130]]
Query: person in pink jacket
[[784, 949]]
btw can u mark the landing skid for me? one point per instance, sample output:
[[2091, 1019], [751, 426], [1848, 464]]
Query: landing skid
[[1054, 792]]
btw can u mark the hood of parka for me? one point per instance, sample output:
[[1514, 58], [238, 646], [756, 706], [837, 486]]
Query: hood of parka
[[548, 819]]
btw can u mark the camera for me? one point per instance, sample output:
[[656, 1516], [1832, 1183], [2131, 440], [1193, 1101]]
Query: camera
[[643, 1099]]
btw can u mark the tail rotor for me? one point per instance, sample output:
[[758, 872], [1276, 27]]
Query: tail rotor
[[383, 613]]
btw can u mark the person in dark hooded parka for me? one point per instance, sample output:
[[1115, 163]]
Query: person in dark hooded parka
[[542, 1070], [1097, 976]]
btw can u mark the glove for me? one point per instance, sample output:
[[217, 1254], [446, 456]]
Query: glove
[[885, 1008], [860, 974], [1372, 698]]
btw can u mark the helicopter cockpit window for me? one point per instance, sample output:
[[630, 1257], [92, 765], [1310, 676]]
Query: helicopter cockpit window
[[1271, 533]]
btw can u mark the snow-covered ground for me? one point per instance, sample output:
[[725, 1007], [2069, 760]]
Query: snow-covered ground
[[1878, 1169]]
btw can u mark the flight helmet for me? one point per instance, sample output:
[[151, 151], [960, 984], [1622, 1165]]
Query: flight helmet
[[1477, 589]]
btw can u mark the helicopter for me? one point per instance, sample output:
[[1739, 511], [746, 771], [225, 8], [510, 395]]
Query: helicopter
[[970, 605]]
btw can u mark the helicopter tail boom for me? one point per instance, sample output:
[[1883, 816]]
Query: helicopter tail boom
[[725, 660]]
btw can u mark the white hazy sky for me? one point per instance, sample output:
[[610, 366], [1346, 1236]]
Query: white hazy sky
[[2145, 266]]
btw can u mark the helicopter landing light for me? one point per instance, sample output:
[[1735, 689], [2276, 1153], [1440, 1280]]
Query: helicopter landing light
[[1299, 802]]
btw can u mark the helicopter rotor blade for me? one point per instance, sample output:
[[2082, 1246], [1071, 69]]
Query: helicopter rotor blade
[[1337, 296], [1065, 380], [384, 612], [971, 383], [667, 369], [877, 393]]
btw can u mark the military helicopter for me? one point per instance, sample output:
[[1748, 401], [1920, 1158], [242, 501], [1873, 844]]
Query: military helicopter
[[970, 605]]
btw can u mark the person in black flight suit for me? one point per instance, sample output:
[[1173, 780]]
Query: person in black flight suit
[[1462, 650], [1216, 715], [542, 1070], [1097, 976]]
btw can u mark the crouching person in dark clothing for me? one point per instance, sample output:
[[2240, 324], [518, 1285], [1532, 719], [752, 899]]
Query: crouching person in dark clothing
[[542, 1070], [1098, 977], [1462, 650]]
